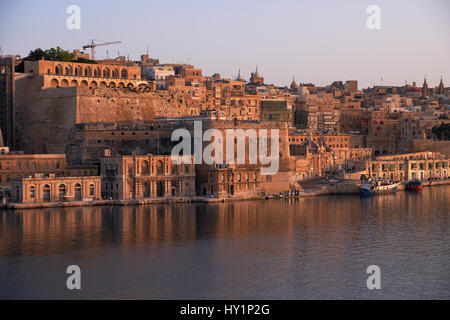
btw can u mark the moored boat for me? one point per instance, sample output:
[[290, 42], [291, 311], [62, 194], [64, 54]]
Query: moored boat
[[414, 185], [378, 187]]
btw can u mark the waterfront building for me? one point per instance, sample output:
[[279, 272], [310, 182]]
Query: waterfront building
[[146, 176], [409, 166], [233, 180], [19, 165], [49, 188]]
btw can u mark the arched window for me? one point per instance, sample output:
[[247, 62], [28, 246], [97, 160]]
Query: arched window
[[46, 193], [78, 192], [106, 73], [88, 72], [68, 71], [124, 74], [145, 168], [78, 71], [58, 70], [62, 191], [115, 73], [159, 168], [32, 192], [91, 190], [97, 73]]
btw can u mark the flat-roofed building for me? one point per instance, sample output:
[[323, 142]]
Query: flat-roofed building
[[42, 189], [146, 176]]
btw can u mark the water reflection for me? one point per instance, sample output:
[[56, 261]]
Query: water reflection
[[298, 248]]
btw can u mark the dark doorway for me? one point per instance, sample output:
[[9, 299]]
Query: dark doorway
[[146, 190], [160, 189]]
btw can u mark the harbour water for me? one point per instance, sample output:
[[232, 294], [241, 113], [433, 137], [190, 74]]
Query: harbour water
[[312, 248]]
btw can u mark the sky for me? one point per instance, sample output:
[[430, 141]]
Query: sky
[[314, 41]]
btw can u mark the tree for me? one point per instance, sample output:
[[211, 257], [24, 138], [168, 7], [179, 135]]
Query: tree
[[52, 54]]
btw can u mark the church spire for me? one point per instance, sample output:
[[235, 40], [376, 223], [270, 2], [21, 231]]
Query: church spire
[[441, 88], [425, 89], [239, 78]]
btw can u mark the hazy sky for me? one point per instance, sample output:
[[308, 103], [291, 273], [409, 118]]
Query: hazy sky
[[315, 41]]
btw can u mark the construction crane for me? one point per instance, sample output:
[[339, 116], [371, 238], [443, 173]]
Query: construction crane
[[92, 45]]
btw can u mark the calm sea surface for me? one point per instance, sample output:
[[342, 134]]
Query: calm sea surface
[[275, 249]]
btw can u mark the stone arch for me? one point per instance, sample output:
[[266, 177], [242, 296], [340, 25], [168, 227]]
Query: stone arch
[[142, 85], [106, 73], [93, 84], [112, 84], [64, 83], [58, 69], [68, 71], [124, 74], [88, 72], [121, 85], [84, 83], [102, 84], [115, 73], [130, 85], [97, 73], [54, 83], [74, 83], [78, 71]]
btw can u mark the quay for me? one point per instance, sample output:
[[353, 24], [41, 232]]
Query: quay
[[318, 188]]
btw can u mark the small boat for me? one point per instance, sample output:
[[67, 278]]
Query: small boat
[[414, 185], [378, 187]]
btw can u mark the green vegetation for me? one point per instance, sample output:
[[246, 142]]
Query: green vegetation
[[442, 132], [52, 54]]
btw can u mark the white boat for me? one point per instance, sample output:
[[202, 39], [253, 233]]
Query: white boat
[[378, 187]]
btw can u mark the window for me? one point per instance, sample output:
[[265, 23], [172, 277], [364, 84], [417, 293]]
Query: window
[[32, 192], [145, 168], [62, 191], [91, 190], [78, 192]]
